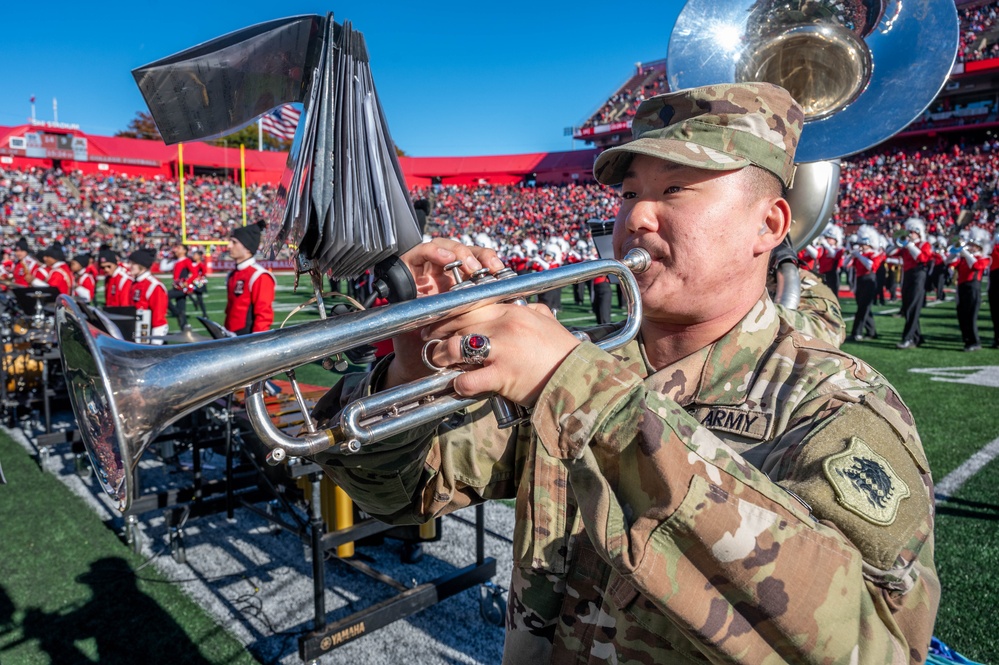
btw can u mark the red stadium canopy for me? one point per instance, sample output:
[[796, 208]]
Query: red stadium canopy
[[45, 145]]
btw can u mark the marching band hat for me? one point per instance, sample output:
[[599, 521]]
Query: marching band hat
[[143, 257], [721, 127], [249, 235], [54, 251], [83, 259], [22, 244], [107, 256]]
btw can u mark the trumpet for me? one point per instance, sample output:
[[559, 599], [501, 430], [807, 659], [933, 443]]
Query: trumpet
[[124, 394]]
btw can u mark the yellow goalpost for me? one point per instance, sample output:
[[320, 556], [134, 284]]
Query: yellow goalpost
[[183, 206]]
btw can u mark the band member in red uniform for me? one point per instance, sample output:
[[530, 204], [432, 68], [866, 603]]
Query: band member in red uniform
[[60, 275], [7, 265], [808, 256], [117, 280], [939, 268], [86, 285], [28, 271], [994, 291], [250, 287], [148, 292], [830, 257], [865, 260], [970, 262], [183, 284], [601, 302], [550, 258], [200, 279], [917, 257]]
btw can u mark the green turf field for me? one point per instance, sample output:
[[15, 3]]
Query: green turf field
[[48, 575]]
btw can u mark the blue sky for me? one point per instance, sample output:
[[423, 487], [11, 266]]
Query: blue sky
[[470, 78]]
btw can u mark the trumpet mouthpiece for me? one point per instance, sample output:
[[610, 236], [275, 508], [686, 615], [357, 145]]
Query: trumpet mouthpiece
[[637, 260]]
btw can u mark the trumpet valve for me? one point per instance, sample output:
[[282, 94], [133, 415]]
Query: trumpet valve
[[482, 276], [459, 283]]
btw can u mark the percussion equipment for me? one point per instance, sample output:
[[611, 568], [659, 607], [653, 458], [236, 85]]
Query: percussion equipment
[[22, 369]]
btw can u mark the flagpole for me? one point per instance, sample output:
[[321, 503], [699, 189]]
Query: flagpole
[[260, 134], [242, 171], [32, 109], [183, 208]]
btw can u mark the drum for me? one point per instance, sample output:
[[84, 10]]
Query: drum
[[22, 371]]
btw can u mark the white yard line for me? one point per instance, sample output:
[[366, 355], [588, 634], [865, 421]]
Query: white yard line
[[954, 480]]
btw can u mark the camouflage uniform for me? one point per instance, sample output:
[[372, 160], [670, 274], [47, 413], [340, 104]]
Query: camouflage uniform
[[818, 315], [765, 499]]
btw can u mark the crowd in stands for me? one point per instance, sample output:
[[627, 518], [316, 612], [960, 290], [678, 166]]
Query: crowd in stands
[[622, 105], [886, 186], [512, 214], [976, 41], [82, 212], [881, 188]]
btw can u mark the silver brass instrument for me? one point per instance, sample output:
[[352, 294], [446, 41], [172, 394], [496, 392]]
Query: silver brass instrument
[[861, 69], [124, 394]]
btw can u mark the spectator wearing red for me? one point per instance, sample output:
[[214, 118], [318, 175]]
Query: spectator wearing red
[[147, 292], [249, 287]]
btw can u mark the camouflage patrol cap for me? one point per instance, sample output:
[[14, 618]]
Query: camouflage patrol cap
[[716, 127]]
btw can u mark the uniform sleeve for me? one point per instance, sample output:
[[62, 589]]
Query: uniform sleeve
[[159, 302], [435, 469], [735, 561], [263, 303]]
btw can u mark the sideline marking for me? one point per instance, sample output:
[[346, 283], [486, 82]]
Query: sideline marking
[[975, 375], [979, 375], [956, 478]]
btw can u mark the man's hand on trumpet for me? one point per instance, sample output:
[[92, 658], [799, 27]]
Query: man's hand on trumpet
[[427, 263], [526, 344]]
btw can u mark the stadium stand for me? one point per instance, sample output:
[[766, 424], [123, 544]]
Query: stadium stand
[[85, 190]]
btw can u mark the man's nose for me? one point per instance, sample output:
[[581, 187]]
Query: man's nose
[[642, 216]]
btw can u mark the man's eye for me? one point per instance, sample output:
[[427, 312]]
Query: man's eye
[[673, 189], [628, 195]]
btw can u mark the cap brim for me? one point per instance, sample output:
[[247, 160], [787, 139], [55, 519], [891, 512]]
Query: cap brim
[[612, 164]]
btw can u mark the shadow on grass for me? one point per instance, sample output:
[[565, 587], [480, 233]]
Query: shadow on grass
[[964, 508], [120, 621]]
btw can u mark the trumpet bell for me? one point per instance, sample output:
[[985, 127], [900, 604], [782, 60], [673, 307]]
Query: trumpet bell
[[91, 396], [124, 394]]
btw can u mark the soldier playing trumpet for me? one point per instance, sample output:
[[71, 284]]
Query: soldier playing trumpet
[[724, 487]]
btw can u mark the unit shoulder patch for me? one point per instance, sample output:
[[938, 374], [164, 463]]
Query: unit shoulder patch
[[865, 483]]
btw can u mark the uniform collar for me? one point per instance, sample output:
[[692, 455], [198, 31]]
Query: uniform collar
[[247, 263], [720, 370]]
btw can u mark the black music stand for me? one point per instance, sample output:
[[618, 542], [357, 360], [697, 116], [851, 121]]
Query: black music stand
[[123, 318], [32, 298]]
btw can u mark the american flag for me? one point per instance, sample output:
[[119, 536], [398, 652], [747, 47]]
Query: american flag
[[282, 122]]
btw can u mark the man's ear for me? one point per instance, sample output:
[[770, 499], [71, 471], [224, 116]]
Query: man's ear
[[776, 224]]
